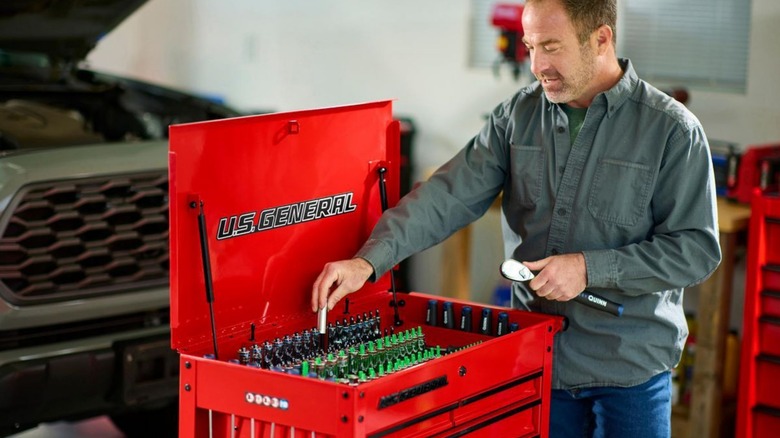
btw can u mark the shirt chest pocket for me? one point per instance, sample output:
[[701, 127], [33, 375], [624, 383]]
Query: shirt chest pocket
[[620, 191], [527, 173]]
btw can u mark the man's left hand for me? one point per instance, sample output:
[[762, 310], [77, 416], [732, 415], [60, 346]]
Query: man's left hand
[[560, 277]]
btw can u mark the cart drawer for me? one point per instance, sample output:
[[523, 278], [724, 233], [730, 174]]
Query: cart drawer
[[768, 378], [769, 336], [770, 303]]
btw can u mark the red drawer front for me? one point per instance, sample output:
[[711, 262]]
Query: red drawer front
[[771, 274], [436, 424], [523, 391], [520, 421], [766, 422], [772, 239], [769, 336], [768, 381], [770, 303]]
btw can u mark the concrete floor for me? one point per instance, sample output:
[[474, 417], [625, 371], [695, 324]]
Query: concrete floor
[[99, 427]]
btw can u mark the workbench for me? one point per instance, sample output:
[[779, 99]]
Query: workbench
[[704, 416]]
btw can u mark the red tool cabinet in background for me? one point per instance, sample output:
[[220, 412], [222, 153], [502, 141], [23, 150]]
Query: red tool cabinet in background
[[758, 405], [278, 196]]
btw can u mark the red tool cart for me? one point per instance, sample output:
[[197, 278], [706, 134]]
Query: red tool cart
[[757, 166], [258, 205], [758, 405]]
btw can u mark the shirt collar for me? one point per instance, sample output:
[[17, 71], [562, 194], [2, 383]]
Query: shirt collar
[[615, 96], [620, 92]]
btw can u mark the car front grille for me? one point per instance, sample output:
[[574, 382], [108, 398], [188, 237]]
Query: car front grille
[[87, 237]]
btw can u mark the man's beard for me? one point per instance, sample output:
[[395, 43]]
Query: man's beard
[[572, 88]]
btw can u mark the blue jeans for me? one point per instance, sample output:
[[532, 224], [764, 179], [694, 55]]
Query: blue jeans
[[642, 411]]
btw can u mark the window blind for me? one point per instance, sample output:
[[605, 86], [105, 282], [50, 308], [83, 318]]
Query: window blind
[[700, 44]]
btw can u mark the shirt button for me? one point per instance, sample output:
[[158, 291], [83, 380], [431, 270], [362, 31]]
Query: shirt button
[[561, 169], [562, 211], [561, 129], [554, 252]]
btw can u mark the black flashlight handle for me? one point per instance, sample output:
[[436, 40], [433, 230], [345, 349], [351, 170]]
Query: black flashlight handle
[[599, 303]]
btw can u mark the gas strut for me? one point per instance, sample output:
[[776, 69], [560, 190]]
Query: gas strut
[[383, 197], [204, 251]]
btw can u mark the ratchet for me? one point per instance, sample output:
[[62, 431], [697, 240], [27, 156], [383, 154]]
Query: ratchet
[[513, 270]]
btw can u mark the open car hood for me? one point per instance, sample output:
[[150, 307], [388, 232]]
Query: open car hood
[[60, 29]]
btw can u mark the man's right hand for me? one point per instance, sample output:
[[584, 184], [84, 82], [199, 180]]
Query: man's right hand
[[343, 277]]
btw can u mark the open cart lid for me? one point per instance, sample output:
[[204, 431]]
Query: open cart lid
[[282, 195]]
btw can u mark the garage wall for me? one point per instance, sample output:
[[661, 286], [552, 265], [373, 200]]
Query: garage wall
[[273, 55], [267, 54], [752, 118]]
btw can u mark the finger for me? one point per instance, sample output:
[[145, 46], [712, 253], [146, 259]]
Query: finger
[[315, 294], [321, 288], [554, 294], [336, 296], [537, 265], [537, 283], [564, 297]]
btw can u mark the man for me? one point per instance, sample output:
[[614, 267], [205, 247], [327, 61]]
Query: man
[[607, 185]]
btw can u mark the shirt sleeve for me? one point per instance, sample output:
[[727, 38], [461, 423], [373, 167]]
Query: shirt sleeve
[[457, 194]]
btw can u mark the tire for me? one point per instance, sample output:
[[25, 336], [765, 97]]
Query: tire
[[160, 422]]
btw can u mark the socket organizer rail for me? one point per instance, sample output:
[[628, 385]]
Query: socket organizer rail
[[258, 206]]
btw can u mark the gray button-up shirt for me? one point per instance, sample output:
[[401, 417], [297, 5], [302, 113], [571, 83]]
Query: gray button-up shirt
[[635, 194]]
